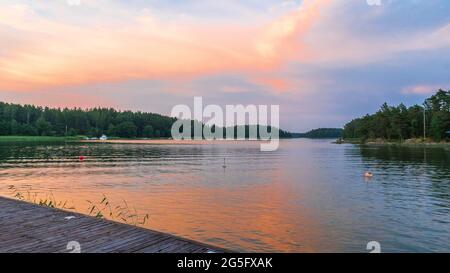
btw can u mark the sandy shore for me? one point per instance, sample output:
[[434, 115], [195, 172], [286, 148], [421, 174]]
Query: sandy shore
[[147, 141], [168, 141]]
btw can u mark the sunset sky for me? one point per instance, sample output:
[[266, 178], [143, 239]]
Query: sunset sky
[[323, 61]]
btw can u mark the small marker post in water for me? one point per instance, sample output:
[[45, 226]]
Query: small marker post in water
[[224, 166]]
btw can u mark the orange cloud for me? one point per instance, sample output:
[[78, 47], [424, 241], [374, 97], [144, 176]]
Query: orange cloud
[[275, 84], [43, 53], [280, 35]]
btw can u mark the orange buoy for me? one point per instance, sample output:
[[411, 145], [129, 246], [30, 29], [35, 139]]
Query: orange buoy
[[81, 158]]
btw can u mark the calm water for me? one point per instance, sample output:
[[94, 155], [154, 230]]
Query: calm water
[[309, 196]]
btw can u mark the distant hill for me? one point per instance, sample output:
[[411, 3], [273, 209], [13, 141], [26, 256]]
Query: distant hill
[[320, 133]]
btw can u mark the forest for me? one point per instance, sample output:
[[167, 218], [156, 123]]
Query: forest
[[30, 120], [401, 122], [320, 133]]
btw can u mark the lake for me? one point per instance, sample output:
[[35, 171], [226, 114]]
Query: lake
[[308, 196]]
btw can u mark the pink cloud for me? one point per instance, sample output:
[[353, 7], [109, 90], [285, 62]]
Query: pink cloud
[[49, 53], [422, 89]]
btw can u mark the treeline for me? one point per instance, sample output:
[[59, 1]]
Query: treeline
[[30, 120], [248, 131], [320, 133], [400, 122]]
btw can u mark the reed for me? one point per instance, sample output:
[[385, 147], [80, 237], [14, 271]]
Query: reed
[[102, 209]]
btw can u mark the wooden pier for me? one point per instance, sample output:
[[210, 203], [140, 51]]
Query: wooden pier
[[28, 228]]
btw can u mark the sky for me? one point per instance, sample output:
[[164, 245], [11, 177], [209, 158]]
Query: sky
[[324, 62]]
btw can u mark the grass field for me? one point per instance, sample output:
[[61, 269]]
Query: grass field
[[38, 138]]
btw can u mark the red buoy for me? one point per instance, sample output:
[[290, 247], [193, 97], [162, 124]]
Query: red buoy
[[81, 158]]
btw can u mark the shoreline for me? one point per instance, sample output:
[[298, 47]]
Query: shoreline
[[4, 139], [419, 142], [406, 143], [145, 141], [169, 141]]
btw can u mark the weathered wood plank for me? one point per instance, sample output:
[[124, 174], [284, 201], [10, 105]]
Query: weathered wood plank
[[26, 227]]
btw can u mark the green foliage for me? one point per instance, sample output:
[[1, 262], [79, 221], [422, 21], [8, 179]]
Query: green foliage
[[126, 129], [29, 120], [148, 131], [72, 132], [400, 122], [4, 139], [43, 127], [321, 133]]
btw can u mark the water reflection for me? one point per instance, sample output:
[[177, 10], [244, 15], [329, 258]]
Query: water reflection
[[308, 196]]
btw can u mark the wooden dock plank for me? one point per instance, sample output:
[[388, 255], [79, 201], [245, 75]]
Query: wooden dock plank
[[26, 227]]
